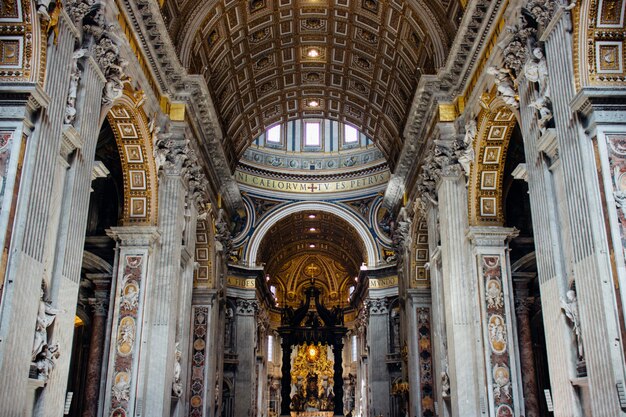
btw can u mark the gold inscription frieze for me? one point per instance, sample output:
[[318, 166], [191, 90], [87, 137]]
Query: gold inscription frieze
[[246, 283], [313, 187], [381, 283]]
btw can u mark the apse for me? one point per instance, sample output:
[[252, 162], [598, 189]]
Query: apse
[[311, 246]]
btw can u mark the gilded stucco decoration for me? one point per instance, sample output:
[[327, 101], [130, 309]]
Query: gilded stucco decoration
[[495, 126], [311, 245], [599, 42], [23, 42], [312, 359], [134, 143], [271, 61], [205, 254], [419, 261]]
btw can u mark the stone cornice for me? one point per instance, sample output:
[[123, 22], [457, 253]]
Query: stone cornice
[[491, 235], [150, 29], [462, 61], [134, 235]]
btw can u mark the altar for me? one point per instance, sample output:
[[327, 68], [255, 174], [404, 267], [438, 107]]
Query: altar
[[312, 414]]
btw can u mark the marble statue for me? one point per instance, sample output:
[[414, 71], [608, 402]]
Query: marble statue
[[177, 384], [505, 85], [45, 317], [536, 70], [569, 305], [46, 359], [75, 75], [494, 295], [542, 105], [466, 154], [121, 388], [445, 384], [42, 8]]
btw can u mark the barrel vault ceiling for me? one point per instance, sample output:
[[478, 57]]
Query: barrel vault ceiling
[[312, 244], [269, 61]]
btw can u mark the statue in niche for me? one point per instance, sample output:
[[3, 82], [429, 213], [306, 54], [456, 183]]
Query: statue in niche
[[177, 385], [46, 359], [569, 305], [45, 317], [445, 384], [542, 104]]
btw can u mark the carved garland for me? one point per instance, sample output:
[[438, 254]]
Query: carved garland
[[135, 147], [485, 185]]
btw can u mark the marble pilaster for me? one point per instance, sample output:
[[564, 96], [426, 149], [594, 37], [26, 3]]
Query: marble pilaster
[[135, 246], [377, 342], [202, 378], [245, 380], [464, 342], [490, 248], [165, 291]]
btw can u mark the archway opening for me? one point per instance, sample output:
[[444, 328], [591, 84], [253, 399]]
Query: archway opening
[[311, 245]]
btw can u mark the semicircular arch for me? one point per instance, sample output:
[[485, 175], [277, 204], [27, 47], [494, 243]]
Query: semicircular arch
[[263, 228], [495, 126], [134, 143]]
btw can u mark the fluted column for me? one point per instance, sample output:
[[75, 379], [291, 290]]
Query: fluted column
[[465, 348], [166, 285], [378, 336], [100, 307], [523, 304], [246, 334]]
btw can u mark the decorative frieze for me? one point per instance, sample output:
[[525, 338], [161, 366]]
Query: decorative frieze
[[425, 354], [198, 361], [498, 356], [126, 331]]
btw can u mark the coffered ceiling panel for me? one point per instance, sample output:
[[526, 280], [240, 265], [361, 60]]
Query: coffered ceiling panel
[[269, 61]]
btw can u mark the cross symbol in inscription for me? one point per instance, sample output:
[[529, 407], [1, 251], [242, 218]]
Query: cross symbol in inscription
[[312, 187]]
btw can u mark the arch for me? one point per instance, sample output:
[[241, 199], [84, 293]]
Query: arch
[[495, 126], [361, 229], [134, 143]]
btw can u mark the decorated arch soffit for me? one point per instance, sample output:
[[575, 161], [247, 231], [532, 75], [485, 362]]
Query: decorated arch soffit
[[266, 61], [23, 42], [495, 126], [366, 214], [134, 143], [599, 42], [311, 245], [204, 274]]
